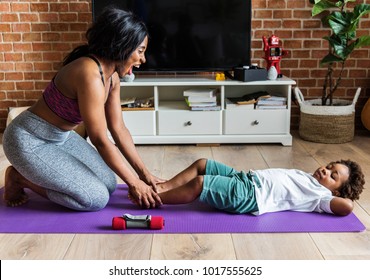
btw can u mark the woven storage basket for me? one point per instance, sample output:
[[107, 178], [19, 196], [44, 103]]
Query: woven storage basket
[[327, 124]]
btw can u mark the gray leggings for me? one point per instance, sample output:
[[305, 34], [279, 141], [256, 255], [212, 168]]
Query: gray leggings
[[69, 168]]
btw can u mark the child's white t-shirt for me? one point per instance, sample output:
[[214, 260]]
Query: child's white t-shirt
[[290, 189]]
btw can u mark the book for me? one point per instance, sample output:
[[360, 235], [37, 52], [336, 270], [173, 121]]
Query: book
[[266, 107], [273, 98], [206, 108], [271, 102], [128, 100], [200, 104], [250, 98], [204, 92], [229, 105], [202, 98]]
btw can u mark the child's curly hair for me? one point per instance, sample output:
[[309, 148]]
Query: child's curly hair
[[354, 186]]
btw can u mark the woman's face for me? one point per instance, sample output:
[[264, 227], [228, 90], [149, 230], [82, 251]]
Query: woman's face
[[135, 60]]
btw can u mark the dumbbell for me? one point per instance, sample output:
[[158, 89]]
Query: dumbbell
[[140, 221]]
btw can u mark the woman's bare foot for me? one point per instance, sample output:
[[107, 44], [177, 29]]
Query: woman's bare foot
[[14, 194]]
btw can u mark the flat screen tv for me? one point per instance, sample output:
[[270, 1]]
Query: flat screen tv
[[191, 35]]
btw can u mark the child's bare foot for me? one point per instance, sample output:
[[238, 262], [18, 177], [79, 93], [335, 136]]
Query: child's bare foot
[[163, 187], [14, 194]]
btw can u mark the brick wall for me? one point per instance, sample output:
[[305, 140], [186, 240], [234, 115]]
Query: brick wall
[[35, 35]]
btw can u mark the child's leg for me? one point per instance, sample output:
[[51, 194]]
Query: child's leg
[[186, 193], [185, 176], [219, 168]]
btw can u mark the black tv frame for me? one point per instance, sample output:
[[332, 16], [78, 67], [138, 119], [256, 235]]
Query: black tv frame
[[148, 68]]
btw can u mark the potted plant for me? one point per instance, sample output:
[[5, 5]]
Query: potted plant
[[330, 123]]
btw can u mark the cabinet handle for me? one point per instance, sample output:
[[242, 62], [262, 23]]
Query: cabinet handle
[[188, 123], [255, 122]]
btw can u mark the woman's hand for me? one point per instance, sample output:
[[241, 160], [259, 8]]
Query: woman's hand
[[152, 180], [144, 195]]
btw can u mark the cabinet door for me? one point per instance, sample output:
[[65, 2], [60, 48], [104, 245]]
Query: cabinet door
[[189, 123], [255, 121], [140, 122]]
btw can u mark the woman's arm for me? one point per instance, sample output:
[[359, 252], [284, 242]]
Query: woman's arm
[[341, 206], [121, 135], [123, 139], [93, 107]]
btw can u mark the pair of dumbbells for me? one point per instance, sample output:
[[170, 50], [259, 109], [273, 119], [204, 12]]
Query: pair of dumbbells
[[141, 221]]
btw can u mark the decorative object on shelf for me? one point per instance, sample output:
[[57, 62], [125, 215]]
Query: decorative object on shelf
[[250, 74], [129, 78], [326, 124], [136, 104], [272, 73], [365, 115], [220, 77], [273, 52], [329, 120]]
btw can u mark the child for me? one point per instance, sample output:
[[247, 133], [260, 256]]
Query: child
[[329, 189]]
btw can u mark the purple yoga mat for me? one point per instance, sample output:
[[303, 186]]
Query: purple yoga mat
[[39, 215]]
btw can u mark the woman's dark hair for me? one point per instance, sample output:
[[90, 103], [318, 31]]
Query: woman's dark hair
[[354, 186], [113, 36]]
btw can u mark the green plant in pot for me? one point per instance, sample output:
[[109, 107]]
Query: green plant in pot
[[328, 123]]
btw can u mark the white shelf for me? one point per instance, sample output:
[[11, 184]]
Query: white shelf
[[173, 105], [200, 81], [171, 121]]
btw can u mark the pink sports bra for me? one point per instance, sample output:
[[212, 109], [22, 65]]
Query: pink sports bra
[[63, 106]]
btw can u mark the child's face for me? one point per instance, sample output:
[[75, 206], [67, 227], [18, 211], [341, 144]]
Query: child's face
[[332, 176]]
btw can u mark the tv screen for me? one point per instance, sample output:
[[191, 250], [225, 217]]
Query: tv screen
[[191, 35]]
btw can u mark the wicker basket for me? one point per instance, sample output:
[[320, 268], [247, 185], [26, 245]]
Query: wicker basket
[[327, 124]]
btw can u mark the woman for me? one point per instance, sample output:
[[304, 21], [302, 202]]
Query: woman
[[49, 158]]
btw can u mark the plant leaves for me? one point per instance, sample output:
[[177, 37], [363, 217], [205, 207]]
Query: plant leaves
[[342, 22], [330, 58], [362, 41], [361, 10], [321, 6]]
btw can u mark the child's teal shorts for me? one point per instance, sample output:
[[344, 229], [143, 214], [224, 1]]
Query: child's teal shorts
[[227, 189]]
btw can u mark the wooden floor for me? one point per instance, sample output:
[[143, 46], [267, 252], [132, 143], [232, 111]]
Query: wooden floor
[[167, 160]]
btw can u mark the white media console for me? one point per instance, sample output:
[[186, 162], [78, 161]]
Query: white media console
[[172, 122]]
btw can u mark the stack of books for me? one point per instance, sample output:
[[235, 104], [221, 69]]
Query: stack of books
[[201, 99], [272, 102], [245, 102]]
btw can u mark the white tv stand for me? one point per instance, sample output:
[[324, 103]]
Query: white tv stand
[[171, 121]]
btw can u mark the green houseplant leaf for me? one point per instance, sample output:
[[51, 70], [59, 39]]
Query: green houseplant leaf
[[343, 23]]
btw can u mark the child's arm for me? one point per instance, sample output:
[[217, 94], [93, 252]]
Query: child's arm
[[341, 206]]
